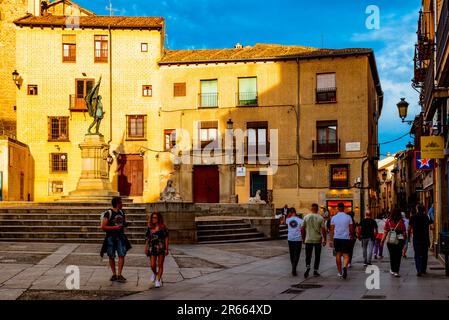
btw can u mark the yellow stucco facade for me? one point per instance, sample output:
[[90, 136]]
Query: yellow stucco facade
[[286, 98]]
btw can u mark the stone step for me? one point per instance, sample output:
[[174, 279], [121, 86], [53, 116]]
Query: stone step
[[233, 241], [71, 216], [204, 233], [62, 222], [231, 236], [61, 235], [125, 201], [71, 210], [63, 228], [67, 240], [218, 222], [222, 226]]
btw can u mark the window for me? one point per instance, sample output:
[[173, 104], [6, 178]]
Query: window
[[257, 139], [326, 89], [179, 89], [55, 187], [147, 91], [339, 176], [169, 139], [144, 47], [32, 89], [68, 48], [208, 134], [58, 162], [247, 95], [82, 89], [136, 126], [58, 128], [327, 139], [209, 94], [101, 49]]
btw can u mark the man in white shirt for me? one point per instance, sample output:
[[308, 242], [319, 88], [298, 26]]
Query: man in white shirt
[[340, 235], [294, 224]]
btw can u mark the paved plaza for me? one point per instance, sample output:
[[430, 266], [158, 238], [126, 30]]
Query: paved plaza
[[255, 271]]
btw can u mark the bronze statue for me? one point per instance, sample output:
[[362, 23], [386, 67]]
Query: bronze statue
[[95, 107]]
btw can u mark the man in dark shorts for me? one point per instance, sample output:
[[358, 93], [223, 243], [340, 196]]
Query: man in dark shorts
[[114, 223], [341, 231]]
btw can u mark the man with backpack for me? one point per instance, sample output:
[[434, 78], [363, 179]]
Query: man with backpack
[[114, 223]]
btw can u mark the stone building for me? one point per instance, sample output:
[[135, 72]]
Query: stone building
[[310, 114]]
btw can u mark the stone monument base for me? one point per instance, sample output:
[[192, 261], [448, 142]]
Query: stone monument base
[[94, 184]]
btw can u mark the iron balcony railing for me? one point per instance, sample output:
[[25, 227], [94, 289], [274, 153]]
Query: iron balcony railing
[[326, 147], [246, 99], [442, 32], [208, 100]]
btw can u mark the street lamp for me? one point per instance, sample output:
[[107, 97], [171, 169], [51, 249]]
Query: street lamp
[[16, 78], [409, 146], [229, 124], [384, 176], [402, 109]]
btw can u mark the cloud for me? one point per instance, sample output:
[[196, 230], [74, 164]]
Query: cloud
[[397, 37]]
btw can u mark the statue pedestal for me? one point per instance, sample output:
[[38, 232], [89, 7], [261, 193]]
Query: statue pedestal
[[94, 184]]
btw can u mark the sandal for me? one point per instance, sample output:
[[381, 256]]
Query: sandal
[[113, 278]]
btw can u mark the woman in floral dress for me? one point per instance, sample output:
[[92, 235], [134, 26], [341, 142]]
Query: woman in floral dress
[[156, 246]]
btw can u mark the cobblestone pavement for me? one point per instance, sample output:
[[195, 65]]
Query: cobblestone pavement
[[255, 270]]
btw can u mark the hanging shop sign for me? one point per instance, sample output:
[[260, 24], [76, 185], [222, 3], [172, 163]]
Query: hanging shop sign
[[423, 164], [432, 147]]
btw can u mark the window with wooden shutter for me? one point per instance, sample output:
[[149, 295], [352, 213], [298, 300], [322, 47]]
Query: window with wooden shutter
[[101, 48], [32, 90], [208, 134], [169, 139], [58, 128], [326, 88], [136, 125], [179, 89], [147, 90], [68, 48], [257, 139]]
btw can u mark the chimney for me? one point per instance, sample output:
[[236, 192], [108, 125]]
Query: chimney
[[238, 46]]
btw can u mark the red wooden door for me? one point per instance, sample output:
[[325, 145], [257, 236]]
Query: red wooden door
[[130, 179], [206, 184]]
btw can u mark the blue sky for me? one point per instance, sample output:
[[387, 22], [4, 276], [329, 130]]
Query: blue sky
[[198, 24]]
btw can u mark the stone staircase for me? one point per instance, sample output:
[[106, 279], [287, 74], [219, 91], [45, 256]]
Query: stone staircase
[[67, 222], [227, 231]]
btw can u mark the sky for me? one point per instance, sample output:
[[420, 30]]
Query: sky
[[208, 24]]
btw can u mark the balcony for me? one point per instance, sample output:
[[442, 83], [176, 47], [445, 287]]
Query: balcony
[[442, 32], [208, 100], [426, 93], [326, 95], [101, 55], [77, 103], [246, 99], [326, 147]]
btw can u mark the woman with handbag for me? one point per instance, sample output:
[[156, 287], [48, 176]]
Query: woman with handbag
[[395, 235]]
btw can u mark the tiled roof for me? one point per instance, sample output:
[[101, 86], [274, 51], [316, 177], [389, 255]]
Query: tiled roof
[[256, 52], [115, 22]]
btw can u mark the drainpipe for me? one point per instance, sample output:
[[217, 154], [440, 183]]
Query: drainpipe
[[297, 129], [110, 85], [362, 193]]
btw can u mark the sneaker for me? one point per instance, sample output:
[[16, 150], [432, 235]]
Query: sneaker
[[391, 272], [397, 275], [339, 275], [121, 278], [370, 264], [365, 264], [419, 274], [345, 273], [158, 283], [153, 277], [113, 278], [349, 265], [375, 256], [306, 274], [294, 273], [316, 274]]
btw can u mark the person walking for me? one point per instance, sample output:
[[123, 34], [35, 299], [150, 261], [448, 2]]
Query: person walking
[[406, 223], [294, 224], [284, 213], [156, 246], [395, 234], [419, 227], [114, 223], [378, 248], [353, 239], [368, 232], [314, 234], [341, 231]]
